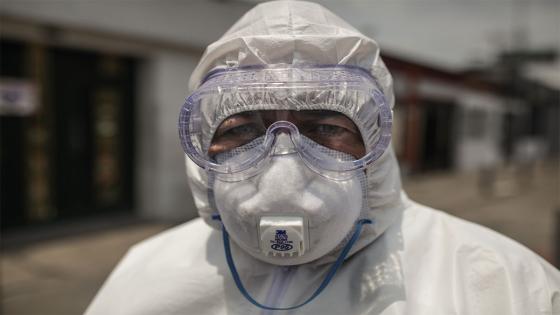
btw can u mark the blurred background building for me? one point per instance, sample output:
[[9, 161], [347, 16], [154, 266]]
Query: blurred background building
[[90, 93]]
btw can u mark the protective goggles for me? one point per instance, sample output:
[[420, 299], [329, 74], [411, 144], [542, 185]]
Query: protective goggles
[[253, 114]]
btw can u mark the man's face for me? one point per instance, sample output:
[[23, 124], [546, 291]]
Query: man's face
[[328, 128]]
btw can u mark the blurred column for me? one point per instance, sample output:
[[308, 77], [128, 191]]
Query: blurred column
[[413, 123], [38, 140], [162, 190]]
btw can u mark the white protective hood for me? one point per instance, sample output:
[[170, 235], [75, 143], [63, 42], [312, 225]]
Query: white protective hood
[[303, 33]]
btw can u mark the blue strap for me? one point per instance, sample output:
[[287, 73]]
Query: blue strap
[[332, 271]]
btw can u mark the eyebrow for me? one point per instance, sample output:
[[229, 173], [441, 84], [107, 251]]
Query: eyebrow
[[318, 114], [325, 115], [222, 128]]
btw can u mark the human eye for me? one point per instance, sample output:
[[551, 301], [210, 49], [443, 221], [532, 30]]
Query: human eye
[[326, 130], [227, 139], [242, 132], [236, 131]]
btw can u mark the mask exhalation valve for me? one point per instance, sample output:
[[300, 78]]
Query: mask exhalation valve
[[284, 236]]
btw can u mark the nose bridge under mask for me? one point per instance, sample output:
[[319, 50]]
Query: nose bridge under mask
[[290, 170]]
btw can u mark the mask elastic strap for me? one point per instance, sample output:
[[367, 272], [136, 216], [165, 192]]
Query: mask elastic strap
[[332, 271]]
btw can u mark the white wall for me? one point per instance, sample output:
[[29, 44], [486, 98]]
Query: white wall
[[193, 22], [162, 190]]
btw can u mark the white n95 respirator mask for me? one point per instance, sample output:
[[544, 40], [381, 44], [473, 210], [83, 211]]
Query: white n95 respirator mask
[[288, 214]]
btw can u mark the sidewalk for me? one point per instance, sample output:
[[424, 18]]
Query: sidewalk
[[61, 276], [517, 204]]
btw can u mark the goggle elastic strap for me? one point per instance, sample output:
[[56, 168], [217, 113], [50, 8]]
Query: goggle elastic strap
[[332, 271]]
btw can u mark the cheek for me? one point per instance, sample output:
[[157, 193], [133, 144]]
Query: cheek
[[229, 196]]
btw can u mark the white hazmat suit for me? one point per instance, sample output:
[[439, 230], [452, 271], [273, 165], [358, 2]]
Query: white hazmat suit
[[413, 260]]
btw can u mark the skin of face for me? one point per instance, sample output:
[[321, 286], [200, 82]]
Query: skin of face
[[328, 128]]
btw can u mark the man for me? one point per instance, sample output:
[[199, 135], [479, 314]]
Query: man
[[287, 136]]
